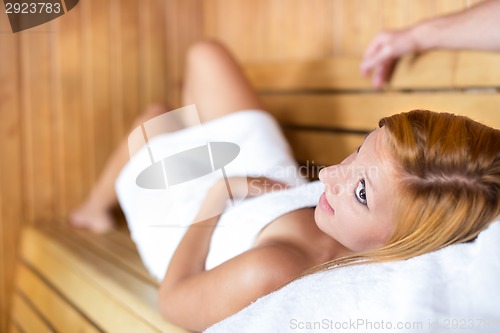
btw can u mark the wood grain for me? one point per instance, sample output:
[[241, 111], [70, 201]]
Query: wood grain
[[308, 147], [26, 317], [70, 91], [69, 107], [11, 159], [61, 315], [99, 289], [432, 70], [361, 112]]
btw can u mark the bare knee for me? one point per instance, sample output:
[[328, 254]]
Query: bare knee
[[152, 111], [206, 50]]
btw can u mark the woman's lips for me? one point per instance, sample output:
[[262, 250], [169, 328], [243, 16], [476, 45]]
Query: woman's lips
[[323, 203]]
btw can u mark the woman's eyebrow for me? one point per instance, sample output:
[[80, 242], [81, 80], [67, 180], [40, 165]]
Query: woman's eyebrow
[[368, 134], [368, 180], [364, 139]]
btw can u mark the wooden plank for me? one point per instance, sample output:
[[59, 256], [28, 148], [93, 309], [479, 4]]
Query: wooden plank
[[121, 237], [100, 290], [14, 327], [231, 24], [129, 53], [394, 14], [444, 7], [316, 149], [121, 256], [187, 17], [363, 111], [337, 33], [210, 18], [100, 85], [420, 10], [440, 69], [37, 118], [140, 287], [62, 316], [431, 70], [358, 29], [87, 137], [339, 73], [70, 110], [272, 21], [470, 3], [174, 55], [11, 180], [478, 69], [3, 284], [27, 318], [116, 71], [152, 52]]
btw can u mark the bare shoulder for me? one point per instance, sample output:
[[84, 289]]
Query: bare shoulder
[[273, 264], [211, 296], [265, 268]]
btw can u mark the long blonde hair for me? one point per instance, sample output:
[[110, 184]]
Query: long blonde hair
[[448, 180]]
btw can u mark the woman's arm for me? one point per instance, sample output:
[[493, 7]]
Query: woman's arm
[[474, 28], [195, 298]]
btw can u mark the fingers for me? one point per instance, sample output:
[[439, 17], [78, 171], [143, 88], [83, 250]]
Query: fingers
[[382, 73], [379, 66], [382, 54], [372, 54], [377, 51]]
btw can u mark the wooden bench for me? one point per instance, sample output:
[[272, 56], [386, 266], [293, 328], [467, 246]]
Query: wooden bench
[[70, 280], [326, 108], [73, 281]]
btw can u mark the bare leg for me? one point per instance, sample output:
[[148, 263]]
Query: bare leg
[[95, 212], [216, 83]]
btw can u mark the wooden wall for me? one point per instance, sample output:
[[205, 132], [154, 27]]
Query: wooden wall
[[70, 89], [262, 30]]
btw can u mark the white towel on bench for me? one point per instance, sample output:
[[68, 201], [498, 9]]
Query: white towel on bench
[[455, 289]]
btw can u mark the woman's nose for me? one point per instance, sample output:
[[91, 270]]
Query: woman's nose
[[328, 175], [332, 177]]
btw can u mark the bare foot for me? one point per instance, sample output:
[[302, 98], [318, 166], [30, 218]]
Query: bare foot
[[93, 217]]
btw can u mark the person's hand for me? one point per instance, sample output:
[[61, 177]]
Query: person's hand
[[383, 53]]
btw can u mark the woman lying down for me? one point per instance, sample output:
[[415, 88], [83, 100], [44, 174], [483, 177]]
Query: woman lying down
[[419, 182]]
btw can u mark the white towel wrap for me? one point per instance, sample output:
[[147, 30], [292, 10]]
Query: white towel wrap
[[158, 219]]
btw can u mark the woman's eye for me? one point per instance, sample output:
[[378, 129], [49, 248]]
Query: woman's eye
[[360, 192]]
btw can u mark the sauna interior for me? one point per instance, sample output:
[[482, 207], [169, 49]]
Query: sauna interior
[[70, 89]]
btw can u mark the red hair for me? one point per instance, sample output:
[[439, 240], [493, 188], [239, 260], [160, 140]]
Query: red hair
[[448, 171]]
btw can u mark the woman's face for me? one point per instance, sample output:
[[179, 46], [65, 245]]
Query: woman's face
[[356, 207]]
